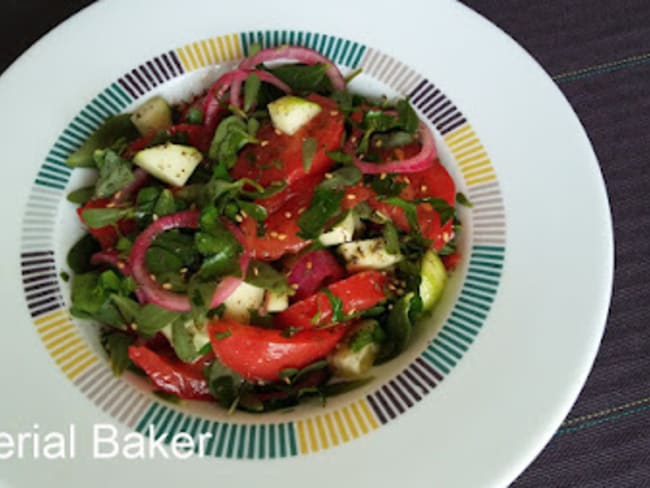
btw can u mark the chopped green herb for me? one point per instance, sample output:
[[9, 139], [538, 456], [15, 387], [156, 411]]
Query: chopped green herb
[[337, 306], [309, 147], [223, 335], [194, 116], [251, 90], [82, 195], [463, 200]]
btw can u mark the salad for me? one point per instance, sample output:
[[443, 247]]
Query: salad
[[266, 242]]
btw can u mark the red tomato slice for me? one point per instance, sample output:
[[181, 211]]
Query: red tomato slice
[[279, 156], [358, 292], [106, 236], [281, 230], [433, 182], [172, 375], [261, 354]]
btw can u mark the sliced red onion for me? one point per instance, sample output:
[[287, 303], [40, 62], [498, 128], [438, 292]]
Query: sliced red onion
[[313, 271], [152, 290], [300, 54], [265, 76], [421, 161], [112, 258], [233, 81]]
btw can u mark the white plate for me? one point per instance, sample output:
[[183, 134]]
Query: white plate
[[511, 358]]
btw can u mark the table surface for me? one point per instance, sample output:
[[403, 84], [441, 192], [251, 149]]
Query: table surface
[[598, 52]]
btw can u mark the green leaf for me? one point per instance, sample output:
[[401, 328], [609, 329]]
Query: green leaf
[[194, 116], [339, 156], [378, 120], [409, 208], [114, 173], [82, 195], [130, 309], [324, 205], [387, 186], [441, 206], [252, 126], [223, 383], [309, 147], [391, 237], [305, 78], [97, 218], [340, 387], [251, 90], [408, 119], [392, 139], [463, 200], [91, 298], [342, 177], [183, 342], [165, 204], [117, 346], [258, 212], [263, 275], [79, 255], [152, 318], [337, 306], [231, 135], [113, 129], [399, 326]]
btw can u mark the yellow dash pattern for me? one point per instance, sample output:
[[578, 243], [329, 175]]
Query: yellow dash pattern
[[470, 156], [459, 135], [349, 422], [190, 55], [331, 429], [63, 347], [205, 47], [478, 181], [302, 439], [53, 325], [469, 168], [57, 337], [74, 353], [321, 432], [369, 415], [80, 367], [341, 426], [313, 441], [222, 48], [472, 142], [184, 61], [213, 50], [360, 421], [51, 316], [481, 172], [199, 55]]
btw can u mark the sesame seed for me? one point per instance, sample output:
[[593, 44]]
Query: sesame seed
[[407, 180], [309, 265], [353, 139], [239, 218], [282, 237], [184, 270], [264, 143], [351, 196], [445, 236], [294, 286], [288, 215], [120, 264], [167, 286], [277, 132], [334, 113], [110, 204], [243, 213], [301, 210], [256, 271], [424, 188], [382, 176], [134, 326], [154, 217], [352, 311], [118, 194], [328, 176], [379, 143], [273, 234], [153, 277]]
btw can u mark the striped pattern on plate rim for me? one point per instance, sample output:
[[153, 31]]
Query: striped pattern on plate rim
[[323, 430]]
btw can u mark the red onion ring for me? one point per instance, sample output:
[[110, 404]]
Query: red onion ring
[[112, 258], [233, 80], [152, 290], [300, 54], [421, 161], [125, 194]]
